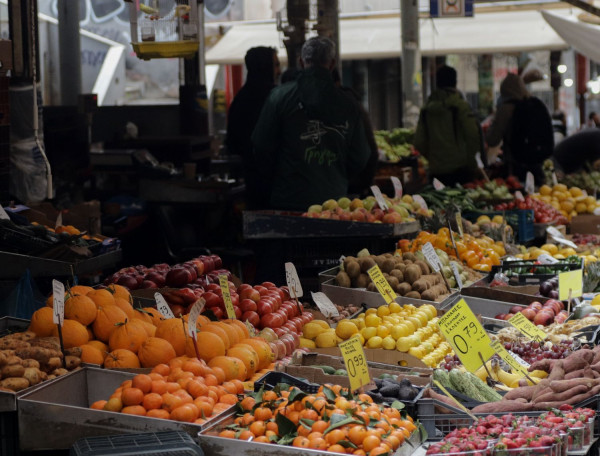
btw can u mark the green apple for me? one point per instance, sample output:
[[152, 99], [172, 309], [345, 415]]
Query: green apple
[[344, 202], [315, 208], [330, 205], [369, 203]]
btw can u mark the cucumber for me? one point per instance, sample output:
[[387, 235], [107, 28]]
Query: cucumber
[[488, 393], [441, 375], [327, 369], [462, 384]]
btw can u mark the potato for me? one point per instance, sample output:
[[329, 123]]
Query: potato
[[33, 375], [59, 372], [75, 351], [14, 384], [343, 279], [13, 344], [40, 354], [3, 358], [413, 294], [14, 360], [51, 343], [72, 362], [52, 364], [13, 370]]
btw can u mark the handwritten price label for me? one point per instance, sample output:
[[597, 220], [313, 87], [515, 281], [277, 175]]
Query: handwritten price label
[[379, 197], [324, 304], [356, 363], [3, 214], [193, 316], [519, 196], [420, 201], [432, 258], [527, 328], [459, 283], [251, 329], [437, 184], [293, 281], [544, 258], [478, 160], [162, 306], [571, 281], [508, 359], [529, 183], [466, 335], [58, 298], [224, 284], [397, 186], [459, 224], [382, 285]]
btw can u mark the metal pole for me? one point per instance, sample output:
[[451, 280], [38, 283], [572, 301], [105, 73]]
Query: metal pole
[[201, 47], [70, 51], [411, 63]]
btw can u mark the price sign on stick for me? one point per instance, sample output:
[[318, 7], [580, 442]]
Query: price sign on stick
[[324, 304], [397, 186], [478, 160], [432, 258], [465, 334], [356, 363], [193, 316], [379, 197], [519, 196], [58, 298], [437, 184], [224, 284], [420, 201], [570, 284], [554, 179], [162, 306], [292, 280], [3, 214], [508, 359], [529, 183], [459, 283], [527, 328], [459, 223], [382, 285]]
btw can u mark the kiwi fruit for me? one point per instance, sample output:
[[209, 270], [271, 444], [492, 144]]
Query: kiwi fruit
[[412, 273], [407, 262], [366, 263], [371, 287], [362, 281], [409, 256], [403, 288], [352, 269], [424, 266], [393, 281], [348, 259], [343, 279], [388, 264], [429, 295], [401, 267], [397, 273], [413, 294], [379, 259]]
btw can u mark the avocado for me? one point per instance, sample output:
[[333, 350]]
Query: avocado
[[327, 369]]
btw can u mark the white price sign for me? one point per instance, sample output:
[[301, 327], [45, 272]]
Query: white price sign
[[459, 283], [58, 298], [519, 196], [379, 197], [518, 359], [397, 186], [478, 160], [193, 316], [292, 280], [420, 201], [324, 304], [529, 183], [554, 179], [544, 258], [431, 257], [59, 221], [437, 184], [3, 214], [162, 306]]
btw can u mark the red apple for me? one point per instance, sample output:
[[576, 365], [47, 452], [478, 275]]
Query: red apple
[[217, 261], [500, 316], [264, 308], [516, 309], [156, 277], [238, 312], [536, 305], [218, 312], [248, 305], [268, 285], [250, 293], [177, 310], [178, 277], [252, 317], [543, 318], [529, 313], [148, 284], [128, 281], [212, 300]]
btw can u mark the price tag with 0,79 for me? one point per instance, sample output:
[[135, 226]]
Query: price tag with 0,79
[[465, 334], [356, 363]]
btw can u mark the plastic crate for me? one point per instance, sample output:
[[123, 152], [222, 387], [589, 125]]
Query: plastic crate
[[548, 271], [171, 443], [520, 220], [271, 379]]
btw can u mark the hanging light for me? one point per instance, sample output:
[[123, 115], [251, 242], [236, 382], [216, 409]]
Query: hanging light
[[568, 82], [562, 68]]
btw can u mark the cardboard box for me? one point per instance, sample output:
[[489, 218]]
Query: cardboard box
[[379, 355], [585, 224]]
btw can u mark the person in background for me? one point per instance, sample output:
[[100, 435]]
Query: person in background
[[310, 138], [593, 120], [264, 70], [559, 125], [523, 127], [448, 132], [581, 149]]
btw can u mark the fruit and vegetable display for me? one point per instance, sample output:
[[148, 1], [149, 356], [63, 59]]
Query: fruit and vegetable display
[[367, 210], [330, 420], [448, 198], [494, 227], [553, 250], [395, 144], [542, 212], [489, 191], [389, 390], [26, 360], [511, 182], [408, 274], [588, 180], [569, 201], [466, 383], [552, 311]]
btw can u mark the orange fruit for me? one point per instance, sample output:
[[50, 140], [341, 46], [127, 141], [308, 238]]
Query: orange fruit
[[158, 413], [114, 404], [370, 442], [335, 436], [134, 410], [209, 345], [263, 414], [301, 442], [357, 434], [184, 413], [132, 396], [227, 434], [337, 449], [246, 435], [98, 405], [258, 428], [233, 367], [152, 401], [143, 382]]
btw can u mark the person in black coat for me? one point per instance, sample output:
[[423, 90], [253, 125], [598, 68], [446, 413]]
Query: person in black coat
[[263, 69], [575, 152]]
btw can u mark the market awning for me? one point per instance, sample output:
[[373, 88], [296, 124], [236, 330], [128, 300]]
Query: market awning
[[582, 36], [377, 38]]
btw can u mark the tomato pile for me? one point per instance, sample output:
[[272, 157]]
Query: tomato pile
[[330, 420], [542, 212]]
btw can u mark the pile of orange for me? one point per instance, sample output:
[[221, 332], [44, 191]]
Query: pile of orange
[[315, 421], [112, 333], [185, 389], [478, 253]]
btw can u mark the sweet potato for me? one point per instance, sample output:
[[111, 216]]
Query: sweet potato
[[440, 397], [542, 387], [33, 375], [523, 392], [558, 371], [543, 365], [13, 344], [578, 360], [559, 386], [12, 370], [14, 384], [51, 343], [564, 396], [575, 374], [72, 362], [503, 406]]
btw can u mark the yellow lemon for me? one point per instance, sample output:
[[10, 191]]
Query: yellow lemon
[[404, 344], [575, 191], [326, 340], [345, 329], [372, 320], [307, 343], [483, 219], [359, 322], [422, 316], [321, 323], [498, 219], [545, 190], [415, 321], [383, 331], [395, 307], [312, 330], [417, 352], [383, 311], [550, 248], [375, 342], [560, 187], [388, 343], [371, 310], [368, 332], [399, 331], [360, 337], [596, 300], [410, 325], [567, 252]]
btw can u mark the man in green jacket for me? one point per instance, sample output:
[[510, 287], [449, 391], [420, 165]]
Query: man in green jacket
[[309, 140], [448, 133]]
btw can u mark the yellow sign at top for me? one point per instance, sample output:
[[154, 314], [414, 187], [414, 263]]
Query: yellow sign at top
[[527, 328]]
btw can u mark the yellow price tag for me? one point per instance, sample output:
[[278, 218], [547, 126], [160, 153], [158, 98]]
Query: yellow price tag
[[508, 359], [465, 334], [382, 284], [224, 284], [573, 281], [527, 328], [459, 223], [356, 363]]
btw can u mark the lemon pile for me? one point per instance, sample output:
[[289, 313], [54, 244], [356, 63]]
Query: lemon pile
[[569, 201], [391, 327], [560, 253]]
